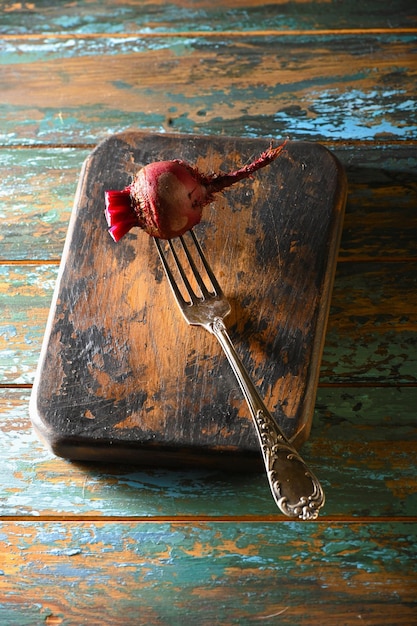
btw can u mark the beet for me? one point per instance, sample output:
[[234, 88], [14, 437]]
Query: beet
[[166, 198]]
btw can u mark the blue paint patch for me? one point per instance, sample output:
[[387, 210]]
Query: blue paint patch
[[121, 84], [8, 331], [66, 552]]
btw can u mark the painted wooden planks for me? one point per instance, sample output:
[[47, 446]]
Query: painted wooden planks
[[183, 15], [379, 226], [26, 293], [362, 444], [322, 87], [371, 334], [37, 189], [380, 218], [207, 573]]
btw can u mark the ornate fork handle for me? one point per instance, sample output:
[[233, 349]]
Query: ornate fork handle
[[295, 488]]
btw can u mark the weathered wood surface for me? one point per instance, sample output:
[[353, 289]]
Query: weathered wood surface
[[26, 294], [150, 16], [373, 322], [122, 377], [37, 189], [208, 573], [321, 87], [90, 542]]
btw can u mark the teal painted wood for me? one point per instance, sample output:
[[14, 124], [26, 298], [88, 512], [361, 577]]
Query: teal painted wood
[[26, 294], [380, 218], [102, 85], [365, 438], [362, 446], [122, 17], [207, 573], [37, 189], [371, 336]]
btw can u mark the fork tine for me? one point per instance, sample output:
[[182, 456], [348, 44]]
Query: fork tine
[[191, 294], [203, 288], [209, 271], [168, 272], [206, 292]]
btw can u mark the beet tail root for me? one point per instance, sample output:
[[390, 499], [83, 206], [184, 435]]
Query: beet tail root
[[218, 182]]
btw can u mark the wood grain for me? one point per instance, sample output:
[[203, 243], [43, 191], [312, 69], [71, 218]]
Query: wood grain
[[381, 217], [37, 189], [371, 323], [26, 294], [207, 572], [156, 16], [302, 87]]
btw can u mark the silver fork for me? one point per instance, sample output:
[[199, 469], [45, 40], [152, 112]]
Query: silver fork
[[295, 488]]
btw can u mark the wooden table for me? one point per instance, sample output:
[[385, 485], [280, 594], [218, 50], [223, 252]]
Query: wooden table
[[88, 544]]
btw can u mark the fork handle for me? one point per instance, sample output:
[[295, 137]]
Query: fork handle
[[295, 488]]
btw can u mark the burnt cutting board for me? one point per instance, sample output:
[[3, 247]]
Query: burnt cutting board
[[123, 378]]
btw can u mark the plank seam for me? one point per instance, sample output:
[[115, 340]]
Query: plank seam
[[208, 519], [348, 143], [192, 34]]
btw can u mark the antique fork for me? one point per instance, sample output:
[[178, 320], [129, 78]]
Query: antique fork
[[295, 488]]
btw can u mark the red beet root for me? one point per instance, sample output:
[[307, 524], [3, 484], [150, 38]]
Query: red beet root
[[166, 198]]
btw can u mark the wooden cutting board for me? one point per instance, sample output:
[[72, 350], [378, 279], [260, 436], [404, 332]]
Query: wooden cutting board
[[123, 378]]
